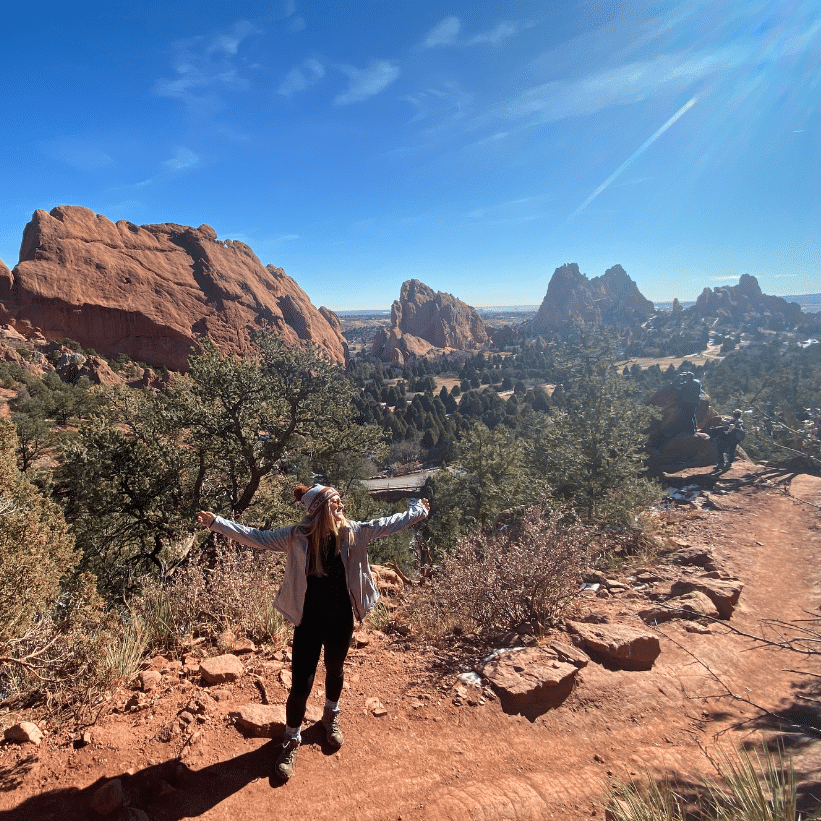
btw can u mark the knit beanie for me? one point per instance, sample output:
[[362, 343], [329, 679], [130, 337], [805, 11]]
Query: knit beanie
[[313, 498]]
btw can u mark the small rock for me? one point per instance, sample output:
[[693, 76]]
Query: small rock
[[157, 663], [220, 695], [186, 717], [375, 707], [220, 669], [243, 645], [149, 679], [361, 639], [26, 732], [108, 798], [285, 678]]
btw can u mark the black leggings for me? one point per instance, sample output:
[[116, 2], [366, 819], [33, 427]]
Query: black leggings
[[334, 631]]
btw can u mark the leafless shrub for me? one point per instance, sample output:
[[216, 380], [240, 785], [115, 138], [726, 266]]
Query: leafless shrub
[[69, 657], [526, 571], [234, 591]]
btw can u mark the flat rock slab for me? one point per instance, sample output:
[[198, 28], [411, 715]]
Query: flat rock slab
[[530, 680], [627, 648], [693, 556], [723, 593], [690, 605], [219, 669]]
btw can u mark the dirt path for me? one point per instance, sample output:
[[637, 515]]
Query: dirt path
[[429, 760]]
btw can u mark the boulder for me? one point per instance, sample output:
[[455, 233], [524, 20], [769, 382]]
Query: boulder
[[531, 680], [219, 669], [154, 291], [624, 647], [723, 593]]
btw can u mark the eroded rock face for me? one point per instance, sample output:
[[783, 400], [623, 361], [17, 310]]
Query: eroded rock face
[[422, 319], [153, 291], [612, 299]]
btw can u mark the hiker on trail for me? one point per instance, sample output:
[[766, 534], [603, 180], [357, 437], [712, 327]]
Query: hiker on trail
[[688, 389], [727, 435], [327, 582]]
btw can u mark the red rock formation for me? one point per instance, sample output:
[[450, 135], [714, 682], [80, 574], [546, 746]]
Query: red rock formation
[[423, 320], [153, 291], [745, 302], [612, 298]]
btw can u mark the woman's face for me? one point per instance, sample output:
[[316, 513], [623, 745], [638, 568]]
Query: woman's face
[[337, 508]]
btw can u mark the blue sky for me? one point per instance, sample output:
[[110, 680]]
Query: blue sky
[[476, 145]]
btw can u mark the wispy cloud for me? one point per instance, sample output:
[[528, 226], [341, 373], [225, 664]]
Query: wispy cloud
[[501, 32], [183, 161], [366, 82], [446, 33], [525, 209], [622, 85], [443, 34], [79, 153], [301, 77], [204, 64], [723, 279]]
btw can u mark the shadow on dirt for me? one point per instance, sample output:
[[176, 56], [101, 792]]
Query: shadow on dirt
[[167, 792]]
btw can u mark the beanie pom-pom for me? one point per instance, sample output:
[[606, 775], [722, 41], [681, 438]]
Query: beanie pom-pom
[[299, 492]]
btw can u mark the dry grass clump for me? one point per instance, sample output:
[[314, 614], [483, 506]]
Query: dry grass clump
[[526, 571], [750, 786], [228, 589]]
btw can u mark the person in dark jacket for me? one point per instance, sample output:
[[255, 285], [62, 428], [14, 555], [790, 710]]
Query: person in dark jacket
[[688, 389], [726, 436], [327, 582]]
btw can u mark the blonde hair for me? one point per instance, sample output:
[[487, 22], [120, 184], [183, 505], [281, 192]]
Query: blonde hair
[[318, 529]]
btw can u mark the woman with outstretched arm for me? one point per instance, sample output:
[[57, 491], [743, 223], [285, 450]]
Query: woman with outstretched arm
[[327, 582]]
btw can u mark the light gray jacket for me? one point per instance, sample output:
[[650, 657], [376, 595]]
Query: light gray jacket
[[290, 597]]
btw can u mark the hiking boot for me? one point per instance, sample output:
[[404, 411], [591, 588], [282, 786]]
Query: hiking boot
[[330, 721], [287, 758]]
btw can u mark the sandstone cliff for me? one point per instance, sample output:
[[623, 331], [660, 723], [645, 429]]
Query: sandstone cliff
[[153, 291], [422, 320], [612, 299]]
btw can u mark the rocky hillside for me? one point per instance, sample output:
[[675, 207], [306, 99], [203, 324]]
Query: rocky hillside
[[611, 299], [152, 291], [422, 319]]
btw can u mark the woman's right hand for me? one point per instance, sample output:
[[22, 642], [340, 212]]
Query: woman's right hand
[[205, 518]]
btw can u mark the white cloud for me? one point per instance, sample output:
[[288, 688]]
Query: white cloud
[[446, 33], [502, 31], [630, 83], [366, 82], [184, 159], [204, 64], [443, 34], [302, 77]]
